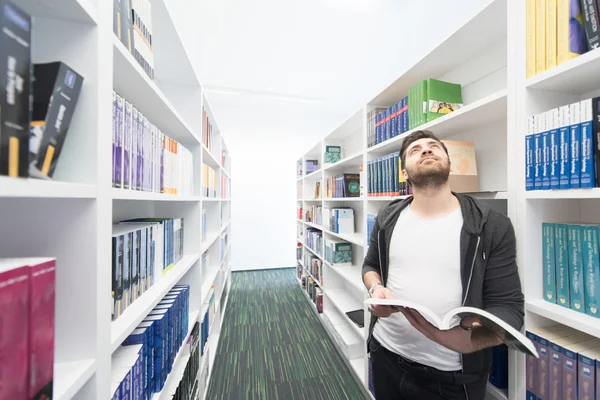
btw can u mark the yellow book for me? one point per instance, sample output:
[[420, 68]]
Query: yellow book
[[530, 40], [551, 34], [540, 36]]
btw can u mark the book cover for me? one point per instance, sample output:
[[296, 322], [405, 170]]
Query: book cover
[[562, 265], [128, 144], [590, 17], [42, 294], [14, 309], [529, 153], [126, 270], [547, 127], [15, 87], [333, 154], [575, 112], [351, 185], [549, 262], [114, 138], [538, 150], [586, 380], [554, 149], [591, 270], [544, 337], [442, 98], [564, 154], [596, 137], [134, 147], [117, 275], [463, 166], [56, 88], [574, 233], [570, 366], [571, 39], [588, 170], [557, 361]]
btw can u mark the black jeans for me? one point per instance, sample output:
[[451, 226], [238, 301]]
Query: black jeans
[[397, 378]]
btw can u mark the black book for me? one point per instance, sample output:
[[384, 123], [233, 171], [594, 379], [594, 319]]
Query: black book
[[56, 89], [589, 8], [358, 317], [15, 88]]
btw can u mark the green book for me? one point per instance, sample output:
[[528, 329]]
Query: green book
[[549, 262], [423, 103], [333, 154], [442, 98], [575, 243]]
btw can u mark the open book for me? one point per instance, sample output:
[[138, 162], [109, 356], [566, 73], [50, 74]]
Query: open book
[[512, 338]]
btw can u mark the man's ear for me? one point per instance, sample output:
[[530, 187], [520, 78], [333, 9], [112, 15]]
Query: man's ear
[[405, 175]]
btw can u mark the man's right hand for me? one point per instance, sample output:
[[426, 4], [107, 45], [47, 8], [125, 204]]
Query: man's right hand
[[382, 311]]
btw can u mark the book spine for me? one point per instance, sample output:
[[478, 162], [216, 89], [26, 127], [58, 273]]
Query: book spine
[[588, 175], [114, 137], [120, 140], [576, 268], [590, 16], [531, 39], [543, 367], [562, 265], [549, 262], [555, 368], [547, 126], [586, 384], [540, 36], [127, 146], [529, 153], [538, 151], [591, 270], [551, 33], [564, 157], [595, 129], [554, 150], [575, 113]]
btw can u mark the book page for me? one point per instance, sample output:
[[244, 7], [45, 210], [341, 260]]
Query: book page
[[429, 315], [513, 339]]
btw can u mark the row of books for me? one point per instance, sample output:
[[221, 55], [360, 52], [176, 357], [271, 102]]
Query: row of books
[[311, 166], [338, 252], [132, 24], [344, 185], [314, 266], [141, 365], [332, 154], [35, 122], [143, 250], [385, 177], [298, 251], [427, 100], [143, 157], [209, 181], [568, 366], [308, 284], [559, 31], [313, 214], [561, 149], [209, 133], [188, 388], [338, 219], [314, 239], [572, 266], [27, 318]]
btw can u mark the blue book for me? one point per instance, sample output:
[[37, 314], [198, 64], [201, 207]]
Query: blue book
[[562, 265], [393, 122], [575, 112], [531, 367], [588, 170], [139, 337], [406, 120], [564, 155], [160, 349], [591, 270], [529, 153], [553, 149], [549, 262], [547, 126], [538, 152], [575, 242]]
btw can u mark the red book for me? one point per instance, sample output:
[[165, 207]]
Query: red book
[[42, 289], [14, 305]]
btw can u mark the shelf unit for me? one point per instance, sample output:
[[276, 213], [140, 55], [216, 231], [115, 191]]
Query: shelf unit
[[76, 210], [479, 56]]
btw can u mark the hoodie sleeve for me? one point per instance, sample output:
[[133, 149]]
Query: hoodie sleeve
[[371, 261], [502, 295]]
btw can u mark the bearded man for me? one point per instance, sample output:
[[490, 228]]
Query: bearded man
[[442, 250]]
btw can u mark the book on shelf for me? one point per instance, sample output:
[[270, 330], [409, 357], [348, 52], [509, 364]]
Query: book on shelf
[[338, 253], [559, 31], [512, 338], [332, 154], [463, 176], [311, 166], [339, 219], [15, 53], [132, 25], [27, 315]]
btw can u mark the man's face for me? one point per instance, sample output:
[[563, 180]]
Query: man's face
[[427, 164]]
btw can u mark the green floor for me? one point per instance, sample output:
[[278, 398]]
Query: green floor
[[273, 345]]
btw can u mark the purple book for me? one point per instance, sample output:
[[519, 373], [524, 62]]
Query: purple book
[[114, 139], [127, 146], [543, 341], [531, 370], [120, 133], [140, 151], [556, 361], [134, 147], [42, 294], [586, 386], [570, 367]]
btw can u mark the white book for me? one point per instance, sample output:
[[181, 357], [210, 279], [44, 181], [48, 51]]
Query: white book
[[513, 338]]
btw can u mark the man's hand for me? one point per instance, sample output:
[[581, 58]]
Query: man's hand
[[456, 339], [382, 311]]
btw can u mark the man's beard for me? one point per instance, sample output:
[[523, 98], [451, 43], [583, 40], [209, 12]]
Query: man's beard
[[429, 177]]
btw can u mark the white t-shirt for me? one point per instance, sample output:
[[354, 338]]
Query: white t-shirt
[[424, 267]]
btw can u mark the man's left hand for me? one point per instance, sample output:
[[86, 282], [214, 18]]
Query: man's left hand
[[456, 339]]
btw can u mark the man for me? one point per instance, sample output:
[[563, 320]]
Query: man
[[442, 250]]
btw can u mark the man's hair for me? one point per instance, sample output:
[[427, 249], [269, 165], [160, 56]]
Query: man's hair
[[413, 137]]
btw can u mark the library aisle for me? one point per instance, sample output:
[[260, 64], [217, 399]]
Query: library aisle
[[273, 345]]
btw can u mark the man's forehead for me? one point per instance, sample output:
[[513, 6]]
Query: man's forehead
[[422, 141]]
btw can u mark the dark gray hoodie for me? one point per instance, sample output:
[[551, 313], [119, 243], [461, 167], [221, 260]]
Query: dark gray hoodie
[[489, 273]]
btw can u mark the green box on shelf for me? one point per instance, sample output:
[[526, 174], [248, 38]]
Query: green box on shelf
[[333, 154]]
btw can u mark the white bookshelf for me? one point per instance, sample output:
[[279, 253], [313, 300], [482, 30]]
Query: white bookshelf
[[479, 56], [71, 216]]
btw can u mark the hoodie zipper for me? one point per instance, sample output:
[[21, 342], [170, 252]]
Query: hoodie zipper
[[379, 254]]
